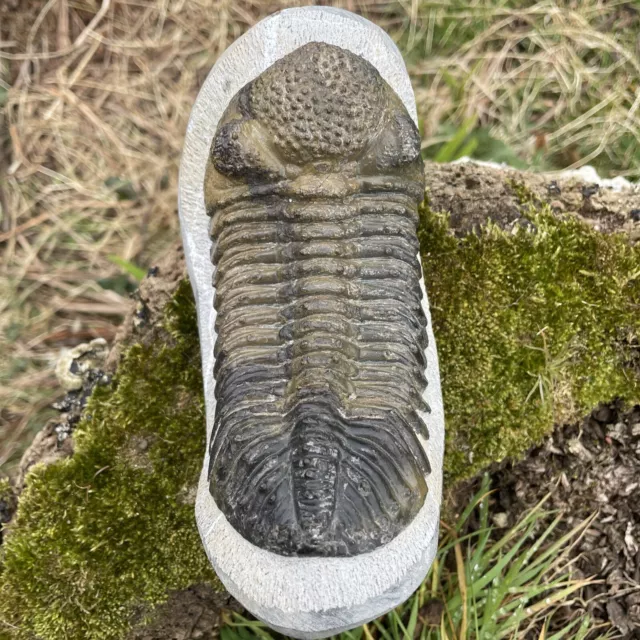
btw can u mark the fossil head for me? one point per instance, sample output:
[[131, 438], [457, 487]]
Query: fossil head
[[319, 110]]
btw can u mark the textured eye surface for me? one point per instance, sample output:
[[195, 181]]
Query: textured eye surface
[[318, 441]]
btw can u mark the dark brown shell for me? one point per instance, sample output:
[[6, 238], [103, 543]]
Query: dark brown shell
[[313, 185]]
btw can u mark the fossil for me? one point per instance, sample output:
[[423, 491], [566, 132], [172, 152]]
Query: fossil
[[312, 185]]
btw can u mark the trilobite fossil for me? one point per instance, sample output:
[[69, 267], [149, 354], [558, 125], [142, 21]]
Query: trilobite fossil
[[312, 185]]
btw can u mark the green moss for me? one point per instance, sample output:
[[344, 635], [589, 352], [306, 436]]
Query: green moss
[[113, 528], [533, 327], [6, 492], [525, 196]]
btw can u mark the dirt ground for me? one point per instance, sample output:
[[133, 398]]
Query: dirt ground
[[593, 466], [192, 614]]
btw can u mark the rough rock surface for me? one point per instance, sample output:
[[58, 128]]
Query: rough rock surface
[[78, 371], [474, 193], [153, 294]]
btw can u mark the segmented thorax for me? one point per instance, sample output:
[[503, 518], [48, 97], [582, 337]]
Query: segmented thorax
[[312, 187]]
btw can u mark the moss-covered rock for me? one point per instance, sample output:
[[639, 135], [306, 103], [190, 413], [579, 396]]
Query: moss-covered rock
[[535, 325], [112, 528]]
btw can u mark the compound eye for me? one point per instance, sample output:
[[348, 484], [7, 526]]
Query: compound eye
[[239, 150], [397, 145], [406, 140]]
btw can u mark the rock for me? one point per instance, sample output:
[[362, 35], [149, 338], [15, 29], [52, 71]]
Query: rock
[[376, 553], [78, 371], [618, 617], [604, 414], [74, 363], [431, 612], [47, 447], [576, 447], [500, 520]]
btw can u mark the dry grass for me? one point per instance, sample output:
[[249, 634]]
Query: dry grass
[[556, 83], [96, 98]]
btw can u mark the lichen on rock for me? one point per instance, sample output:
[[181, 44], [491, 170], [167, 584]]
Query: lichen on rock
[[73, 364]]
